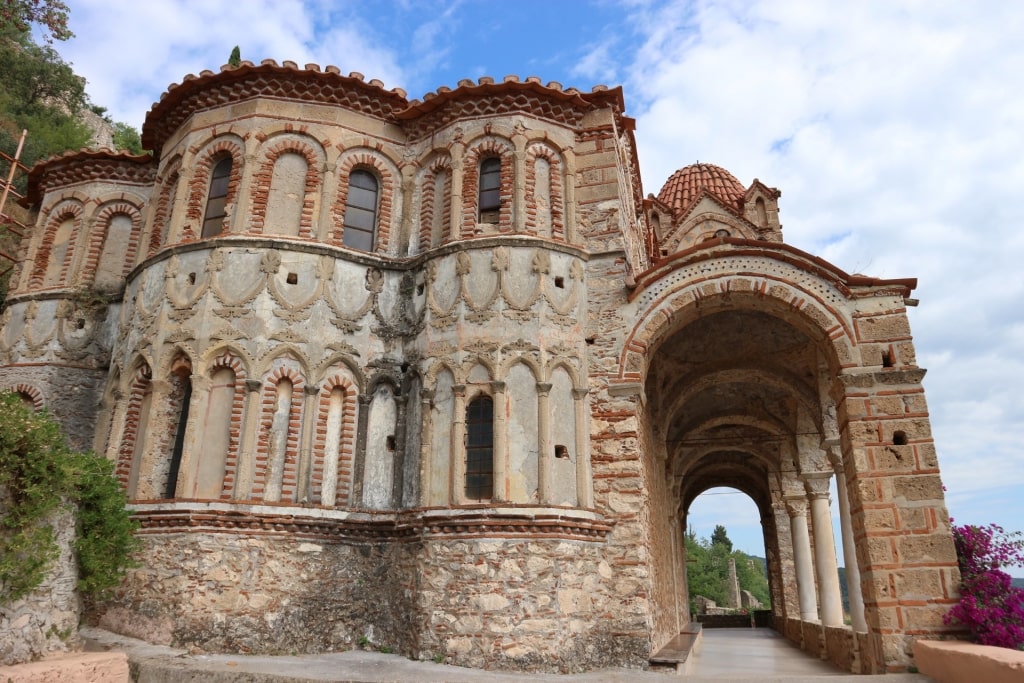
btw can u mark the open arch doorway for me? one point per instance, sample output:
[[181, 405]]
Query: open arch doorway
[[725, 555], [741, 394]]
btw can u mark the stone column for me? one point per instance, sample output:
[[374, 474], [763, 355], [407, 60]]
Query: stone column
[[825, 551], [304, 475], [500, 486], [398, 456], [853, 590], [458, 151], [584, 485], [458, 467], [193, 434], [544, 441], [519, 180], [359, 465], [247, 449], [797, 509], [426, 447]]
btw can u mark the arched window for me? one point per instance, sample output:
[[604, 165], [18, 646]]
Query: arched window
[[490, 190], [216, 200], [480, 449], [361, 211]]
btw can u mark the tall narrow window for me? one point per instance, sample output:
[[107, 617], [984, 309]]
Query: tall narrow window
[[181, 384], [361, 211], [490, 190], [480, 449], [216, 200]]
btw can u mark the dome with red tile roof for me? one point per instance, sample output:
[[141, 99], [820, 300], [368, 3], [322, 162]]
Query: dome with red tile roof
[[686, 184]]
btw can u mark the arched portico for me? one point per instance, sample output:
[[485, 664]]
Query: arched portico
[[765, 383]]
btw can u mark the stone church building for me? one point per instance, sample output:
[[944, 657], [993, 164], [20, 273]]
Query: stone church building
[[436, 375]]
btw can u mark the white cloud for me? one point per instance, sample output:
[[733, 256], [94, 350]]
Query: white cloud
[[130, 51], [894, 131]]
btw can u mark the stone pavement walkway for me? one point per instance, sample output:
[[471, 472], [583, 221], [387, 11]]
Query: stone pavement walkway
[[744, 655]]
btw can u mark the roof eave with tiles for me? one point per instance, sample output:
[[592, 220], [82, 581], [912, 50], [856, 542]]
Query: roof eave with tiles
[[328, 86]]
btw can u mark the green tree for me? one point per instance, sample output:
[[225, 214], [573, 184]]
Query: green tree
[[39, 92], [719, 536], [707, 568], [39, 475], [752, 576], [127, 138], [50, 15], [236, 57]]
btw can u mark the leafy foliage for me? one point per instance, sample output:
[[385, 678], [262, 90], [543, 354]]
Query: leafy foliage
[[990, 607], [126, 137], [720, 536], [236, 57], [42, 94], [39, 475], [707, 568], [50, 15]]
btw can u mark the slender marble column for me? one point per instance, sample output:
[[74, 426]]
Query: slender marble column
[[825, 552], [853, 591], [584, 488], [499, 490], [544, 464], [457, 489], [797, 508]]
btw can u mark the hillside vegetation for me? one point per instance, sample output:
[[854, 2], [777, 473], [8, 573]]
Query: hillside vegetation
[[707, 568]]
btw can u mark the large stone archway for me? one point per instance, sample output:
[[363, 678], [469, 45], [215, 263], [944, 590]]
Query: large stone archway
[[767, 370]]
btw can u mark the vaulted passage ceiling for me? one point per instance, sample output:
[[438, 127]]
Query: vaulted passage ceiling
[[725, 392]]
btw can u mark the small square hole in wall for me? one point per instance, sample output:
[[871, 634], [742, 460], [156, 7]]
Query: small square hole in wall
[[419, 289], [292, 279], [391, 442], [559, 282], [191, 278], [561, 451], [80, 323]]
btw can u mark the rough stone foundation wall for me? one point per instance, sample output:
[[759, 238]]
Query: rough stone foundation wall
[[45, 621], [238, 593], [529, 605]]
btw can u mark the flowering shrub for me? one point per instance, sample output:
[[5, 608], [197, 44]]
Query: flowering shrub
[[990, 608]]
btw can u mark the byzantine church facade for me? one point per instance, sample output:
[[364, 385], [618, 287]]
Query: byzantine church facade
[[436, 375]]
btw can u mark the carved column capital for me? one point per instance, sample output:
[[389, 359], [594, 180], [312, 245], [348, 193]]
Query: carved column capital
[[311, 389], [543, 388], [817, 485], [796, 506], [252, 385]]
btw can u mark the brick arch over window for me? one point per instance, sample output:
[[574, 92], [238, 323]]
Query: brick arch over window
[[490, 148], [199, 186], [264, 177], [139, 389], [270, 420], [161, 229], [335, 443], [554, 192], [30, 394], [435, 211], [385, 203], [101, 231], [228, 360], [72, 212]]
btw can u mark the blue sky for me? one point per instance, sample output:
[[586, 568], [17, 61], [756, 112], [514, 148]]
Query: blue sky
[[894, 128]]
